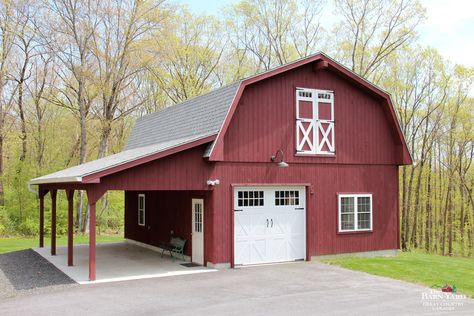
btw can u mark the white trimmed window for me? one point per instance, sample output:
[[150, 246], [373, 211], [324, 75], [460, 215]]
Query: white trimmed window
[[355, 212], [315, 122], [141, 209], [250, 198]]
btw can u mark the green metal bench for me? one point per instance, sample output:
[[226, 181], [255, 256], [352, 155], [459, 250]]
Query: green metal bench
[[175, 245]]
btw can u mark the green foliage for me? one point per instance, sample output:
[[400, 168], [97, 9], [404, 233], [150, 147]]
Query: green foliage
[[430, 270], [15, 244]]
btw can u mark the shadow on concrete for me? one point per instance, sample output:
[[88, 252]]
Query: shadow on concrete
[[26, 269]]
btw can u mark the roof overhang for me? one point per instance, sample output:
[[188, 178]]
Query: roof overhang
[[94, 176], [55, 180]]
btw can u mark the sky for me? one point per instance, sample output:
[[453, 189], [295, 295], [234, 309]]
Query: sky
[[449, 26]]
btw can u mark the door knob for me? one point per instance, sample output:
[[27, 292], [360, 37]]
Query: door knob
[[267, 222], [272, 222]]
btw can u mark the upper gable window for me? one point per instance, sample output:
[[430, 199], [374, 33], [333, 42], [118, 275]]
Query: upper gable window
[[315, 122]]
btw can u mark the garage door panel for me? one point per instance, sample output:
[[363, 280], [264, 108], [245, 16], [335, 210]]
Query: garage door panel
[[271, 227], [242, 251], [258, 252], [242, 226]]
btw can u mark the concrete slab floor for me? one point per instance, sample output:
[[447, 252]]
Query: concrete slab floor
[[118, 262]]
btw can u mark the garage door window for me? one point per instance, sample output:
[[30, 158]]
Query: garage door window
[[283, 198], [250, 198], [355, 212]]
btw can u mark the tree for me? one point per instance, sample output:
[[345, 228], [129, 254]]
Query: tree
[[7, 92], [117, 42], [273, 33], [72, 26], [372, 30], [186, 56]]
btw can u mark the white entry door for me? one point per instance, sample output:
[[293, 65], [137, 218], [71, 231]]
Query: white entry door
[[198, 231], [269, 224]]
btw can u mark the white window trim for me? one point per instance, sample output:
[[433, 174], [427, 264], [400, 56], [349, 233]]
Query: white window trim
[[355, 196], [142, 195], [315, 125]]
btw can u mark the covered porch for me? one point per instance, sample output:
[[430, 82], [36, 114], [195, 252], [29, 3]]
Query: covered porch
[[165, 214], [167, 193]]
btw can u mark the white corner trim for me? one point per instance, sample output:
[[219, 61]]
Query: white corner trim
[[225, 120]]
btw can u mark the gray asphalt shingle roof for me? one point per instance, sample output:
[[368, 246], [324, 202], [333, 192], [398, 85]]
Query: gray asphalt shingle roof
[[176, 125], [203, 114], [76, 173]]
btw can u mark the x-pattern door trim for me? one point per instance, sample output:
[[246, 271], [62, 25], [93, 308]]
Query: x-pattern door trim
[[307, 133], [319, 132]]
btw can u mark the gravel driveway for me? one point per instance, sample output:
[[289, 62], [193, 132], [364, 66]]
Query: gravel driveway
[[26, 272], [305, 288]]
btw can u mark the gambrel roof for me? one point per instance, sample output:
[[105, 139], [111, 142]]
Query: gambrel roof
[[204, 119]]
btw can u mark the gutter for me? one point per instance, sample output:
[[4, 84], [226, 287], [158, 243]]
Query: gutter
[[30, 188]]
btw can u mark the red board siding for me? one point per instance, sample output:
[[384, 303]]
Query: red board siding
[[264, 121], [164, 211], [326, 182], [265, 118], [186, 170]]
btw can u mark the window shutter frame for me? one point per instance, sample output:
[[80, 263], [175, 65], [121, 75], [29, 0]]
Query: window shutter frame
[[310, 136]]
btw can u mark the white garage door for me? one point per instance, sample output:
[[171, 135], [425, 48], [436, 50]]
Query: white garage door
[[269, 224]]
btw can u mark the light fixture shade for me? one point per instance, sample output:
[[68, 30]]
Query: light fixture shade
[[282, 164]]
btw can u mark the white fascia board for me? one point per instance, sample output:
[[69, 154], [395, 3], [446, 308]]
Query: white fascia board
[[56, 180]]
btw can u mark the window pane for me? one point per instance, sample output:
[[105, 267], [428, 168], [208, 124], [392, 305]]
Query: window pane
[[347, 205], [250, 198], [363, 204], [363, 221], [141, 217], [283, 198], [347, 221], [141, 199]]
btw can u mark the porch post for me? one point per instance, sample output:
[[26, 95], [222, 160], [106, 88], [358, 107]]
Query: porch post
[[92, 241], [41, 219], [70, 226], [94, 193], [53, 222]]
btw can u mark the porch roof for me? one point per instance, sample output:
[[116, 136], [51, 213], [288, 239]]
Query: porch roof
[[125, 159]]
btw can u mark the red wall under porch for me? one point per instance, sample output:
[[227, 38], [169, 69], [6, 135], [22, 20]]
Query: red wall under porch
[[322, 213], [165, 211]]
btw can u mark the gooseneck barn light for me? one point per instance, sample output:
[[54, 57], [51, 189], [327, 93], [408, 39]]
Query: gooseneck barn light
[[282, 163]]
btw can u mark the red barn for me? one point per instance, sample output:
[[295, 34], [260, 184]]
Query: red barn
[[295, 163]]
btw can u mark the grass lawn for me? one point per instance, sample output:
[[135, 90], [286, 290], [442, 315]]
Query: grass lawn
[[19, 243], [430, 270]]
